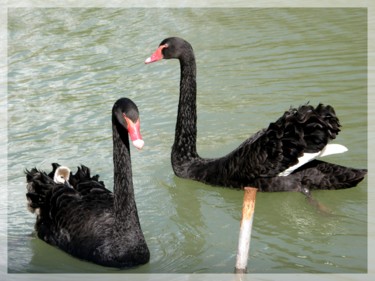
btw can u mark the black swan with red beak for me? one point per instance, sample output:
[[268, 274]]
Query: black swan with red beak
[[281, 157], [85, 219]]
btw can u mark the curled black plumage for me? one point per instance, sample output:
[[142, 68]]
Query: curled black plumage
[[272, 158], [84, 218]]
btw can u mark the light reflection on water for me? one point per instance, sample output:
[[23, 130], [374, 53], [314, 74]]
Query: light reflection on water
[[68, 66]]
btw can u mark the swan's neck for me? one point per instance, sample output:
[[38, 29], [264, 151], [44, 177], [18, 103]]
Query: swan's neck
[[184, 146], [124, 203]]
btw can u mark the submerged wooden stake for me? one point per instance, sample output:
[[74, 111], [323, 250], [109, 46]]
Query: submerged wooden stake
[[245, 229]]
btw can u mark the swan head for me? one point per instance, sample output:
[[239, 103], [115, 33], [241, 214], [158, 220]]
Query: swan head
[[62, 175], [170, 48], [126, 113]]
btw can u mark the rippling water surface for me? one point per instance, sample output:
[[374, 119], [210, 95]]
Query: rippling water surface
[[68, 66]]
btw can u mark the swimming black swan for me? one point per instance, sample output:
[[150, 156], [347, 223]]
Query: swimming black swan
[[89, 221], [278, 158]]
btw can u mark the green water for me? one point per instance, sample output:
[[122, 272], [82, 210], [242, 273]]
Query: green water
[[66, 68]]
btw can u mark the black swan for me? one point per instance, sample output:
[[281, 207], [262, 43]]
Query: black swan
[[88, 221], [278, 158]]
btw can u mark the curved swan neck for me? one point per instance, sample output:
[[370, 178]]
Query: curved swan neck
[[124, 202], [186, 125]]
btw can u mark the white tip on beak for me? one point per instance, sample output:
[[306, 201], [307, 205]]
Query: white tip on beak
[[138, 143]]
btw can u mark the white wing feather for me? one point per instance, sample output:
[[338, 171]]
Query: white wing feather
[[329, 149]]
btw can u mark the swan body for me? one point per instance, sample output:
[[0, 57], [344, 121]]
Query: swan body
[[89, 221], [281, 157]]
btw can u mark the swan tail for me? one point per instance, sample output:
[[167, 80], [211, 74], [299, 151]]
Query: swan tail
[[344, 177], [323, 175]]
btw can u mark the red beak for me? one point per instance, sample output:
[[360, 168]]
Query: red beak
[[157, 55], [135, 132]]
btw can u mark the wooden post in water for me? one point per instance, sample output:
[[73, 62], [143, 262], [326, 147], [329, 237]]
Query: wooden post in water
[[245, 229]]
